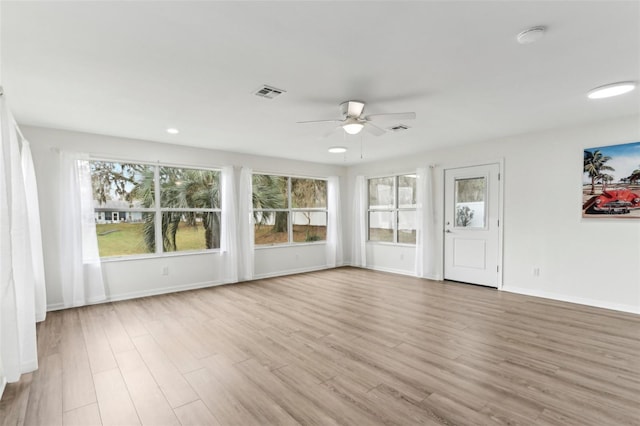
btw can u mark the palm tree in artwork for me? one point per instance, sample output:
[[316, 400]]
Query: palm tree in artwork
[[595, 165], [635, 176], [606, 179]]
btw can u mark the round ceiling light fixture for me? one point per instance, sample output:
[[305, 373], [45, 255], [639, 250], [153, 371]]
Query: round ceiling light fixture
[[613, 89], [338, 149], [352, 126], [173, 131], [531, 35]]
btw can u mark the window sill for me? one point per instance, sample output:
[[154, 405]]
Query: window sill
[[289, 245], [157, 256], [383, 243]]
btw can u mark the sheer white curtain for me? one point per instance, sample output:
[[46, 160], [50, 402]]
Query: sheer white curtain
[[426, 238], [334, 223], [229, 237], [35, 233], [80, 268], [18, 350], [245, 227], [359, 223]]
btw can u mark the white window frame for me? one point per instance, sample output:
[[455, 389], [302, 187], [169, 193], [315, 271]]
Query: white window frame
[[157, 210], [291, 210], [394, 210]]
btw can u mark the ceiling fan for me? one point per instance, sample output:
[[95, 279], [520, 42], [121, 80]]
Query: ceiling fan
[[353, 120]]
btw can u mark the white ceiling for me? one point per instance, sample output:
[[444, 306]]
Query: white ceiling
[[132, 69]]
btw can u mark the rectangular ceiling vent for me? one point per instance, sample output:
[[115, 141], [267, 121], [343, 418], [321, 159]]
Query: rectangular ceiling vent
[[268, 92], [399, 128]]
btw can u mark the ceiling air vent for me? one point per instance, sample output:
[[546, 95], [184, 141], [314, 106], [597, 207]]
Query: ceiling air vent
[[268, 92], [399, 128]]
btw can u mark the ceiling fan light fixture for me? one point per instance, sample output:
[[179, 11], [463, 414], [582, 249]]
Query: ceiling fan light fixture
[[613, 89], [352, 126], [338, 149]]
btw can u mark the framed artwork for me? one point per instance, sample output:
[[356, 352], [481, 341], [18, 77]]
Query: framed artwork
[[611, 181]]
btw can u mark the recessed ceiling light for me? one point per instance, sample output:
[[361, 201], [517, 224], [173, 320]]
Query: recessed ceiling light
[[531, 35], [173, 131], [337, 149], [613, 89]]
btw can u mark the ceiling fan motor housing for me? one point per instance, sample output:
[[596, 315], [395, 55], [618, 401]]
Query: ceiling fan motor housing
[[355, 107]]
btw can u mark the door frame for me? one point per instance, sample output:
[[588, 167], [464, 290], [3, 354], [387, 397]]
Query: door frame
[[501, 179]]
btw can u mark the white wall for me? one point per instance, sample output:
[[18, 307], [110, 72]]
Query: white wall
[[139, 277], [586, 261]]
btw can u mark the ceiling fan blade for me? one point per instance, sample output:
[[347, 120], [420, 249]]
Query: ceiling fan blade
[[319, 121], [392, 116], [355, 108], [329, 133], [373, 129]]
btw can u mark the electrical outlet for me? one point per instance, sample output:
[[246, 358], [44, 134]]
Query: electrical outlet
[[165, 270], [536, 272]]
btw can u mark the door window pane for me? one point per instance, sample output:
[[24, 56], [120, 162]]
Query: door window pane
[[407, 227], [381, 226], [309, 226], [470, 202], [381, 195]]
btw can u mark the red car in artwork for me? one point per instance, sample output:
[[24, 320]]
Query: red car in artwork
[[614, 201]]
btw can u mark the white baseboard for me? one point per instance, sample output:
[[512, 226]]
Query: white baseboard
[[571, 299], [391, 270], [3, 384], [290, 272], [144, 293]]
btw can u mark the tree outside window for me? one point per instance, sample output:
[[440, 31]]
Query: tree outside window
[[129, 216], [289, 209]]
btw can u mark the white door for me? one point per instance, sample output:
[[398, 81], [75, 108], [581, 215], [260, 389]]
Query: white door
[[471, 233]]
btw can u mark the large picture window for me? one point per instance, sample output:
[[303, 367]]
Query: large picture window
[[392, 209], [132, 220], [289, 209]]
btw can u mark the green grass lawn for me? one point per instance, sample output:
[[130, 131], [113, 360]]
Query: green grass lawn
[[123, 239]]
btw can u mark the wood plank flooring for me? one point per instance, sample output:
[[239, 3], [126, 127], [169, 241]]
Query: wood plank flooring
[[338, 347]]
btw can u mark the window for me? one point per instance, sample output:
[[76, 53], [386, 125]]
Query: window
[[132, 220], [289, 210], [470, 194], [392, 209]]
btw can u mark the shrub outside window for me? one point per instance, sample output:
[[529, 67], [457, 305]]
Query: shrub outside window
[[132, 220], [392, 209], [289, 209]]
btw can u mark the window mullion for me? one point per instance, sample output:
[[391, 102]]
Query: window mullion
[[158, 212], [289, 213]]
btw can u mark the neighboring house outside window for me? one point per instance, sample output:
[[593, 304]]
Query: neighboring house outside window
[[132, 220], [289, 209], [392, 209]]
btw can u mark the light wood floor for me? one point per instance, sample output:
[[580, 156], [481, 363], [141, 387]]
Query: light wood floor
[[344, 346]]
